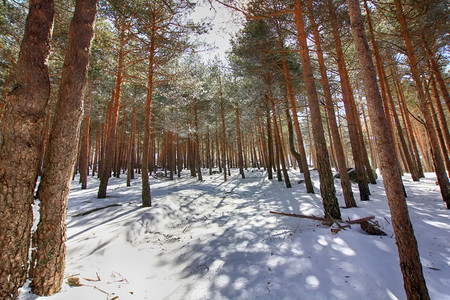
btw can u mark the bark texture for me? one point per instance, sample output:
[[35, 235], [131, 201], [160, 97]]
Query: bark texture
[[47, 265], [327, 189], [414, 282], [437, 156], [20, 146], [340, 156]]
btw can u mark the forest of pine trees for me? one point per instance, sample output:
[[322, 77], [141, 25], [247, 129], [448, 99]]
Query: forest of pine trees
[[119, 88]]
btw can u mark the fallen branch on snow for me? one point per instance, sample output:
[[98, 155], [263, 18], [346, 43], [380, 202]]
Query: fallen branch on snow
[[366, 223]]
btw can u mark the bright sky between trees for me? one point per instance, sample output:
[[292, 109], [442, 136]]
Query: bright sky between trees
[[225, 23]]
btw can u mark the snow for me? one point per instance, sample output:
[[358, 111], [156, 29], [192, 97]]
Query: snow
[[217, 240]]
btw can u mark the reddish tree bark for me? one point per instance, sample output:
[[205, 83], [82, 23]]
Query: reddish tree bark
[[48, 260], [413, 279], [327, 189], [21, 145], [438, 160]]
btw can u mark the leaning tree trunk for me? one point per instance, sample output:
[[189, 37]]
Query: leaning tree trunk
[[340, 156], [438, 160], [47, 264], [350, 109], [21, 141], [302, 162], [413, 279], [327, 189]]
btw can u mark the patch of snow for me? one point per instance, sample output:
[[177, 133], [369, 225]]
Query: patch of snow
[[217, 240]]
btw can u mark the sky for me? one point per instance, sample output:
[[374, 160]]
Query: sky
[[225, 23]]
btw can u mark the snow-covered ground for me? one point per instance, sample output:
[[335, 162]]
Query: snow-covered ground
[[217, 240]]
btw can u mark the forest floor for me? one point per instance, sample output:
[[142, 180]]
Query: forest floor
[[217, 240]]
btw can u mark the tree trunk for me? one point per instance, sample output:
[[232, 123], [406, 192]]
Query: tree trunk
[[414, 281], [439, 133], [270, 154], [146, 196], [224, 134], [21, 145], [84, 154], [408, 126], [340, 156], [97, 149], [279, 145], [131, 151], [437, 73], [197, 158], [327, 189], [109, 149], [440, 113], [350, 110], [239, 143], [302, 162], [48, 260], [438, 160]]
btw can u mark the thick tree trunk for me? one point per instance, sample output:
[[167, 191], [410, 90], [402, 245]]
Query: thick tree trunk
[[21, 144], [438, 160], [327, 189], [339, 150], [48, 260], [414, 281]]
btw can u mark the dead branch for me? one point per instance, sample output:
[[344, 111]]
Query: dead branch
[[366, 224]]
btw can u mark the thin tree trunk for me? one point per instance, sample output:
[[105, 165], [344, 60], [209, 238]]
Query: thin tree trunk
[[410, 265], [339, 150], [110, 142], [21, 135], [197, 158], [48, 260], [440, 113], [440, 135], [408, 126], [327, 189], [279, 145], [270, 156], [302, 161], [84, 154], [224, 134], [437, 73], [350, 110], [131, 158], [438, 160], [239, 143]]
